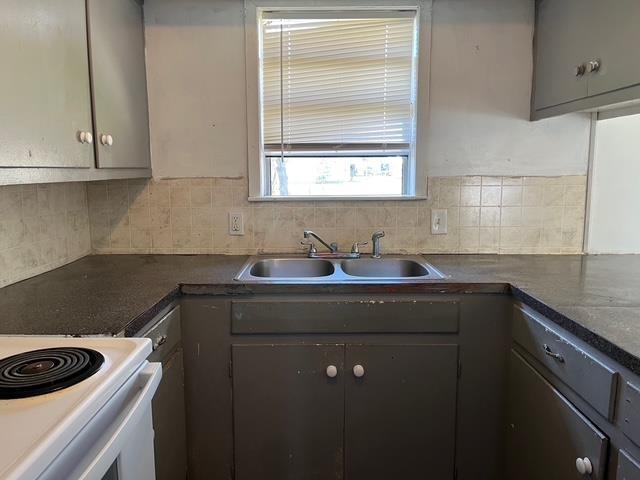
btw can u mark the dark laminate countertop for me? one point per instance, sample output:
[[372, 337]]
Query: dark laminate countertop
[[595, 297]]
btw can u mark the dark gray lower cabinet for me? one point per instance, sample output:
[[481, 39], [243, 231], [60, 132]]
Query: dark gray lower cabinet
[[628, 468], [400, 415], [288, 414], [545, 432], [392, 417]]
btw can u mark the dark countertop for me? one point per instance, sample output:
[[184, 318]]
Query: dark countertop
[[595, 297]]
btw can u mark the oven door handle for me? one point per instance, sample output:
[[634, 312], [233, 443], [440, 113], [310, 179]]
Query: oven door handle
[[149, 379]]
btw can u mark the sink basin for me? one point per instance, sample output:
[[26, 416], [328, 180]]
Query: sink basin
[[388, 269], [384, 268], [291, 268]]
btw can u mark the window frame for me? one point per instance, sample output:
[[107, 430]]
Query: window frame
[[414, 176]]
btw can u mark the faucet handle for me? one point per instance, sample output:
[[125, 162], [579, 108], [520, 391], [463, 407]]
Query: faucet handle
[[355, 248], [312, 247]]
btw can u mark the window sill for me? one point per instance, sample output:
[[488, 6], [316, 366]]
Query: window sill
[[338, 198]]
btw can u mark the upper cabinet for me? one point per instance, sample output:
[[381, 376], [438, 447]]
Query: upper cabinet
[[44, 87], [119, 83], [584, 56], [73, 91]]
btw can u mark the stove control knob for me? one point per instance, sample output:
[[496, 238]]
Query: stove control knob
[[161, 340]]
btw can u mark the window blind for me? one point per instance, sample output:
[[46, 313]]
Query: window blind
[[334, 82]]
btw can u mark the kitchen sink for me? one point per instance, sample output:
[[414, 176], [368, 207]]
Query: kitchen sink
[[384, 268], [291, 268], [389, 268]]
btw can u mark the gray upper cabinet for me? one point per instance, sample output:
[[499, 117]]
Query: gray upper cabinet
[[119, 84], [585, 55], [44, 85], [562, 48], [618, 36]]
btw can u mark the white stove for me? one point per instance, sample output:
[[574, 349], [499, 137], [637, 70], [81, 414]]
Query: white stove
[[99, 427]]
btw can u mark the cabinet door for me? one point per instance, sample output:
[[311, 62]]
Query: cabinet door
[[401, 413], [116, 33], [618, 36], [288, 413], [44, 85], [628, 468], [563, 40], [169, 424], [545, 433]]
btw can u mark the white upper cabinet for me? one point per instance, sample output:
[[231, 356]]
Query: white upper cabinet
[[44, 85], [119, 83]]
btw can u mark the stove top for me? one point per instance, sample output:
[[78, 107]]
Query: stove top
[[46, 370], [68, 381]]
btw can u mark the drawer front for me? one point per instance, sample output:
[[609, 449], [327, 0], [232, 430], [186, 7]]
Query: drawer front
[[630, 412], [165, 335], [628, 468], [588, 377], [546, 434], [368, 316]]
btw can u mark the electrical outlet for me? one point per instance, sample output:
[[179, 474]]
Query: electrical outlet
[[439, 221], [236, 223]]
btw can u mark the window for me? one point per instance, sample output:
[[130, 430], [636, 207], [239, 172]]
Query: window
[[337, 97]]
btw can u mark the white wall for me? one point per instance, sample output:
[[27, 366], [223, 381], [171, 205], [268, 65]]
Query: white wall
[[614, 215], [479, 96]]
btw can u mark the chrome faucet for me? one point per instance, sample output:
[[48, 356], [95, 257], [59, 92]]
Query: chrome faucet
[[333, 247], [375, 240]]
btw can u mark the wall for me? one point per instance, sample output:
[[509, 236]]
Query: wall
[[485, 215], [481, 66], [42, 227], [614, 215]]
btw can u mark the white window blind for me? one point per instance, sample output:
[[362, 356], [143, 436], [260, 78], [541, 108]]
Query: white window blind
[[337, 82]]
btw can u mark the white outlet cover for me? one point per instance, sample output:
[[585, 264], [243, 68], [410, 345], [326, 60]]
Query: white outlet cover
[[236, 223], [439, 221]]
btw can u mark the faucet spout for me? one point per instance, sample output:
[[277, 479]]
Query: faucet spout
[[333, 247], [375, 238]]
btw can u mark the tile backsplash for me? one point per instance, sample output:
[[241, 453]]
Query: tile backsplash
[[41, 227], [485, 215]]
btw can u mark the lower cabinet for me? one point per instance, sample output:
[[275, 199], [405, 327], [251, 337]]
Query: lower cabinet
[[547, 437], [330, 411]]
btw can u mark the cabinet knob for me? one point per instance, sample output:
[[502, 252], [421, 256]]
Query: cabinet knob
[[85, 137], [332, 371], [358, 371], [584, 467], [579, 70], [593, 66], [106, 140]]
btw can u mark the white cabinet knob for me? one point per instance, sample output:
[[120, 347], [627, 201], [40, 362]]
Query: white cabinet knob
[[106, 140], [332, 371], [583, 465], [85, 137], [593, 66], [358, 371]]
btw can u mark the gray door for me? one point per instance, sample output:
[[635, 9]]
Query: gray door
[[401, 413], [116, 33], [618, 37], [545, 433], [628, 467], [288, 414], [563, 41], [169, 424], [44, 85]]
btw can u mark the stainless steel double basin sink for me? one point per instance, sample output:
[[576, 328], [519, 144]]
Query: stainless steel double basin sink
[[389, 268]]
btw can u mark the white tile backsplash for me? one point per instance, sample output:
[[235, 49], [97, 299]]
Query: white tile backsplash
[[41, 228], [485, 215]]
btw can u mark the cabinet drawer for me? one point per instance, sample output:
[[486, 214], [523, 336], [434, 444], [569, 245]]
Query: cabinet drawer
[[367, 316], [630, 412], [587, 376], [545, 432], [165, 335], [628, 468]]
